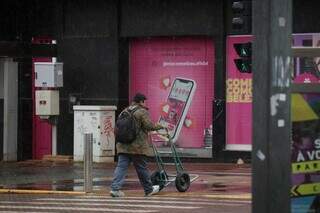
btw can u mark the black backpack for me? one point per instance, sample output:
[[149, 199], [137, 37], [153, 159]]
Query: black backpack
[[126, 128]]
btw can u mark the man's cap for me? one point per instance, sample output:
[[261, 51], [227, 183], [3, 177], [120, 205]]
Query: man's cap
[[139, 97]]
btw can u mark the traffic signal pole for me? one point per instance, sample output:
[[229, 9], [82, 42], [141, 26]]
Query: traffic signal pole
[[272, 67]]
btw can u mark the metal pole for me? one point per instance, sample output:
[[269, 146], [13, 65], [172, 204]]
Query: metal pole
[[54, 139], [88, 158], [272, 67]]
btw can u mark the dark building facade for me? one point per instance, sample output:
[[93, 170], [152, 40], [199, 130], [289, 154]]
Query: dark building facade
[[93, 41]]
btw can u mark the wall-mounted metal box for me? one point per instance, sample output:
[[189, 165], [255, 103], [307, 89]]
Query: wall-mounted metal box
[[48, 74], [47, 102]]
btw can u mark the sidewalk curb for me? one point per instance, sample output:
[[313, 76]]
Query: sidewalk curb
[[237, 197], [27, 191]]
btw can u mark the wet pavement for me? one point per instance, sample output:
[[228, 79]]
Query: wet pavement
[[214, 179]]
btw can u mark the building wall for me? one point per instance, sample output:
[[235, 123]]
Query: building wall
[[88, 46], [93, 42], [24, 110], [306, 16], [95, 54], [166, 17]]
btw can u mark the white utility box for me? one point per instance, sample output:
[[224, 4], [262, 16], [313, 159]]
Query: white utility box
[[48, 74], [47, 102], [100, 121]]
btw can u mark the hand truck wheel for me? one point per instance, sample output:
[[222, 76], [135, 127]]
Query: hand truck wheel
[[158, 178], [182, 182]]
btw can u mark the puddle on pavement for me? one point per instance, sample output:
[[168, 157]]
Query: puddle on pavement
[[68, 185], [217, 187]]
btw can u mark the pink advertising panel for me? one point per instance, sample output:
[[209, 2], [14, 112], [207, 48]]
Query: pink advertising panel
[[176, 74], [239, 88], [238, 100]]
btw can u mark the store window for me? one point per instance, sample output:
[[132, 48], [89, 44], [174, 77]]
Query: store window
[[306, 70]]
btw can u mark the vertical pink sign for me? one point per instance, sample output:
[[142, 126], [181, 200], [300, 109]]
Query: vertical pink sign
[[155, 66], [238, 100]]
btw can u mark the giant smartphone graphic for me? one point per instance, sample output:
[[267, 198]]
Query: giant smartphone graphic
[[177, 105]]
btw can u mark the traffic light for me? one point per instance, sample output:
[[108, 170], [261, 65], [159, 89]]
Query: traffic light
[[244, 51], [239, 17]]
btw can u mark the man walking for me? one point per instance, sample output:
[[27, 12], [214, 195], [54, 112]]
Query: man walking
[[135, 151]]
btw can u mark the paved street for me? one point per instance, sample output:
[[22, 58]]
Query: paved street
[[10, 203], [42, 175], [40, 186]]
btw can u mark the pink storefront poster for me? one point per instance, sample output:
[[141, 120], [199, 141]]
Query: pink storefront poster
[[238, 100], [176, 74], [239, 88]]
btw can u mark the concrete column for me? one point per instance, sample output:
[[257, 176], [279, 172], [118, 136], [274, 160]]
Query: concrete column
[[10, 114]]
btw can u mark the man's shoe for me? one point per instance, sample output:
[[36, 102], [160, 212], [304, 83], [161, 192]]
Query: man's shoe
[[155, 190], [116, 193]]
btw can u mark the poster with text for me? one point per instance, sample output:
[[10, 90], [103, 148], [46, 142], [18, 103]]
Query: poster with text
[[238, 100], [177, 76], [305, 153]]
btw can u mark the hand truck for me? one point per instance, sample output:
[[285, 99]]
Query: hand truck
[[161, 177]]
